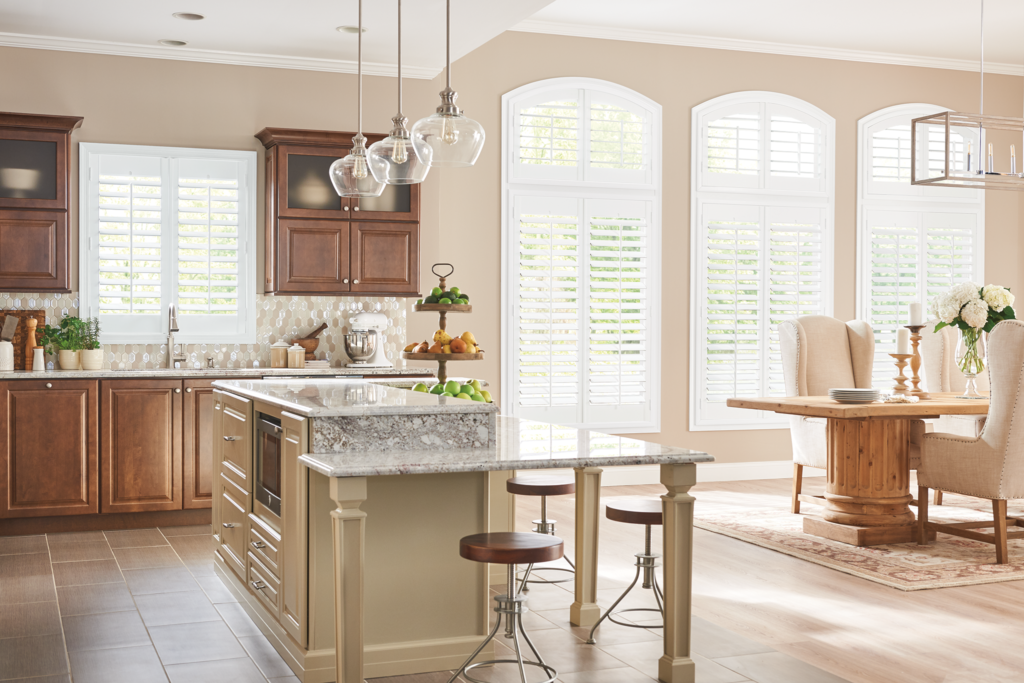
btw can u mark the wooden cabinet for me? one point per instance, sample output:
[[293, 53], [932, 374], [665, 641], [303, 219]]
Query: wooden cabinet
[[232, 466], [35, 242], [141, 445], [294, 528], [197, 444], [312, 233], [48, 448]]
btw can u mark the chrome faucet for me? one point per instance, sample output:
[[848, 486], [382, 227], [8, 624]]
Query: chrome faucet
[[172, 326]]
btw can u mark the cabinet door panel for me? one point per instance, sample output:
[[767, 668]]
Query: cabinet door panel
[[396, 203], [197, 442], [304, 188], [34, 251], [141, 427], [385, 257], [48, 448], [294, 560], [314, 256]]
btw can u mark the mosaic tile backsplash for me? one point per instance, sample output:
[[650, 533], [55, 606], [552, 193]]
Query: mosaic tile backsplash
[[279, 317]]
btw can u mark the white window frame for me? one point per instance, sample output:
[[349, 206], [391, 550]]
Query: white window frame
[[584, 184], [914, 200], [191, 332], [765, 194]]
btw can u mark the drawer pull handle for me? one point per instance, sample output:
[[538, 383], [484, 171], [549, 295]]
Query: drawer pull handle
[[228, 525], [49, 386], [258, 585], [259, 545], [232, 438]]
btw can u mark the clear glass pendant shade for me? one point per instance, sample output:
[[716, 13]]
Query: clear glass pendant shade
[[447, 140], [395, 161], [351, 177]]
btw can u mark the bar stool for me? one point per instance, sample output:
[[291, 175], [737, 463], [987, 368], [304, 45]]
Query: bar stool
[[637, 511], [543, 485], [510, 548]]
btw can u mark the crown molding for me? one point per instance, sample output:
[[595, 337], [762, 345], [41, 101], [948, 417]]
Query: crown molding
[[682, 39], [102, 47]]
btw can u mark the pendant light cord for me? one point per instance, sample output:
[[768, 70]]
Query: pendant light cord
[[982, 58], [399, 56], [359, 97], [448, 43]]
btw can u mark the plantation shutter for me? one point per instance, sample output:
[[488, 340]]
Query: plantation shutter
[[732, 147], [950, 243], [547, 140]]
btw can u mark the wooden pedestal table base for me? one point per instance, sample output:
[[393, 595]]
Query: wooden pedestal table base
[[867, 492]]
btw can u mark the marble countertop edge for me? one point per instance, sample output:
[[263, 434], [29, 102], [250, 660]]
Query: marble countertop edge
[[212, 373]]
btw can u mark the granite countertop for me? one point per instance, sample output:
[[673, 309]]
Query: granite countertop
[[521, 445], [349, 398], [214, 372]]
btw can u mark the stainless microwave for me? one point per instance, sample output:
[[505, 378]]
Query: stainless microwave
[[267, 482]]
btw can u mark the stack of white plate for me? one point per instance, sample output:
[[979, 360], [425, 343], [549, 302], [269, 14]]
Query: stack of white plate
[[853, 395]]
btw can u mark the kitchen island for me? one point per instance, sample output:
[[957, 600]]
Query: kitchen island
[[359, 575]]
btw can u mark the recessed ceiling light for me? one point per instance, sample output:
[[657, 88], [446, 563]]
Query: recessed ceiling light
[[188, 16], [349, 29], [172, 43]]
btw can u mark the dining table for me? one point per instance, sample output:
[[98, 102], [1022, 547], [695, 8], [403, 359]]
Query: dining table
[[867, 488]]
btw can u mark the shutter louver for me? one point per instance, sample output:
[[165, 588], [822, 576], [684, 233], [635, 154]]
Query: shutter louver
[[891, 155], [208, 246], [734, 145], [129, 244], [949, 254], [895, 276], [549, 134], [616, 137], [793, 148]]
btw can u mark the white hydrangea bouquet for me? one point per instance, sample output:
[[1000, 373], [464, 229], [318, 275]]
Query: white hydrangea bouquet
[[973, 310]]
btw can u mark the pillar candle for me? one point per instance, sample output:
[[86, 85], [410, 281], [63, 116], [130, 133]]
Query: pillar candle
[[916, 314], [903, 340]]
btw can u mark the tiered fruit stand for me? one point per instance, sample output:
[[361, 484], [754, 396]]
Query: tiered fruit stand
[[443, 310]]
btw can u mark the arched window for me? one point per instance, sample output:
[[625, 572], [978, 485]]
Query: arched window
[[581, 226], [762, 210], [913, 241]]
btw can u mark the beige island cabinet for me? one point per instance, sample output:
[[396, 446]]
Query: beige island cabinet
[[339, 507]]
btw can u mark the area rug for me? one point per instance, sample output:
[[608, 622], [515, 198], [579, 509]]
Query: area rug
[[765, 520]]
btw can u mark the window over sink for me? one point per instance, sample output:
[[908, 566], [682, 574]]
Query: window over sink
[[161, 226]]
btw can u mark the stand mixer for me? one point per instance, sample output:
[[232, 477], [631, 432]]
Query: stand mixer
[[365, 343]]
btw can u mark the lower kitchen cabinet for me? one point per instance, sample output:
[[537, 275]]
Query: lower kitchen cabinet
[[197, 444], [141, 436], [49, 448]]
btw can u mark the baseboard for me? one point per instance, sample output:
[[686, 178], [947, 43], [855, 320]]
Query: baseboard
[[638, 475], [103, 522]]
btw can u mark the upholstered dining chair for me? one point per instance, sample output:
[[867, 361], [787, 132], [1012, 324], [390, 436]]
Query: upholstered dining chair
[[820, 353], [939, 373], [987, 466]]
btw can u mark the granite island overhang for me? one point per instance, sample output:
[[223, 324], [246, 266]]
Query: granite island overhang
[[378, 484]]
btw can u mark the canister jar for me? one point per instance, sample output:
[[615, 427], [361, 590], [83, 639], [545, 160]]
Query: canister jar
[[296, 356], [279, 354]]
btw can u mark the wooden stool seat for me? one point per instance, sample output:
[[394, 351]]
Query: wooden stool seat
[[541, 485], [634, 511], [511, 547]]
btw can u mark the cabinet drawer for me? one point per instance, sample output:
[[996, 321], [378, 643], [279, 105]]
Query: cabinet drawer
[[236, 440], [264, 544], [264, 585], [233, 511]]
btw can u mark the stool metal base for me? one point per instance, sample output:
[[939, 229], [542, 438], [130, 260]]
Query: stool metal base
[[511, 607], [646, 562], [544, 526]]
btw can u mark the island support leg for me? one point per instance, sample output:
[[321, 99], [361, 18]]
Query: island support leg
[[676, 666], [585, 610], [349, 526]]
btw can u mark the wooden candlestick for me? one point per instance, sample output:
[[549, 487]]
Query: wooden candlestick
[[901, 379], [915, 362]]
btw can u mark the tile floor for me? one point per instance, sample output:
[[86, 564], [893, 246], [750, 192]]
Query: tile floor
[[144, 606]]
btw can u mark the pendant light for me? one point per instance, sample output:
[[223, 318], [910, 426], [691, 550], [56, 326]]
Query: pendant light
[[351, 176], [394, 160], [447, 138]]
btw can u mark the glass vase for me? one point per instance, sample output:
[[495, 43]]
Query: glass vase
[[970, 358]]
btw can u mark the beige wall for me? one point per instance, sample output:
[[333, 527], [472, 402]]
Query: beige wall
[[156, 102], [679, 78]]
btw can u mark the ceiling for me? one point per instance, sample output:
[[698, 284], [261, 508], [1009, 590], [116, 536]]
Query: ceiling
[[295, 33], [895, 31]]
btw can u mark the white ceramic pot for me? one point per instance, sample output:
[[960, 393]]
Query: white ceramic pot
[[70, 360], [92, 359]]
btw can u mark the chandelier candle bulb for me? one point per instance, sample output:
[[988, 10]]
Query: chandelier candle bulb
[[968, 156], [991, 166], [1013, 160], [902, 341], [916, 314]]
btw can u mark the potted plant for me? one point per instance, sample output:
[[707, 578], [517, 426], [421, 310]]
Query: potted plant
[[65, 340], [92, 350]]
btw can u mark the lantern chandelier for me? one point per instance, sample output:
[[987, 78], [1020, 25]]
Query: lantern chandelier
[[951, 148]]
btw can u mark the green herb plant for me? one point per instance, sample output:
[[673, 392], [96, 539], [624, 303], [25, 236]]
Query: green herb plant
[[72, 334]]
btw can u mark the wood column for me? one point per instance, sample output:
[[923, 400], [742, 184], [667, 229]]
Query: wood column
[[584, 610], [349, 526], [867, 491], [676, 666]]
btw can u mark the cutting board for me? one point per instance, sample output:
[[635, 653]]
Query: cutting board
[[21, 334]]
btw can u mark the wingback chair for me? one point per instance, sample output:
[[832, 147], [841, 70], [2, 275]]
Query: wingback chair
[[939, 373], [820, 353], [987, 466]]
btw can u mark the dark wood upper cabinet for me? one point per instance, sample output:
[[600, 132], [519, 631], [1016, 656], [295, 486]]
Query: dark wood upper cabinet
[[48, 448], [310, 228], [385, 257], [35, 240]]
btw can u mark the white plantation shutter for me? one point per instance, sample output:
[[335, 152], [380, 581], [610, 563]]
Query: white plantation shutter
[[761, 250], [914, 242], [581, 283], [165, 226]]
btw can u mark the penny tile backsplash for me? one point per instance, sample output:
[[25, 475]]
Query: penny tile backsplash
[[279, 317]]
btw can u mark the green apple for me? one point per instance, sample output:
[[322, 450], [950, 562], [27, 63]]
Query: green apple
[[452, 387], [487, 396], [448, 394], [467, 389], [476, 385], [455, 291], [420, 386], [478, 397], [465, 397], [437, 389], [436, 291]]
